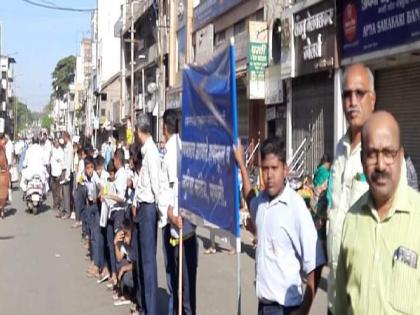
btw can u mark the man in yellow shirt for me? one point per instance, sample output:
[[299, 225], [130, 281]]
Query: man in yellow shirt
[[378, 270]]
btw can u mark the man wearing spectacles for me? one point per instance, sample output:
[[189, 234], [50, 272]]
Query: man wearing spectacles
[[378, 270], [347, 181]]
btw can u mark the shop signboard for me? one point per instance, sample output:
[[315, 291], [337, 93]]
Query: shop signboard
[[257, 59], [314, 34], [372, 25], [208, 10]]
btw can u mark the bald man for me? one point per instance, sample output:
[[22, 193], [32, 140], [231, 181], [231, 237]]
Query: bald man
[[378, 270]]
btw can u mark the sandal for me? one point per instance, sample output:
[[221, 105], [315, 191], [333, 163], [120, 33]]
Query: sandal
[[210, 251]]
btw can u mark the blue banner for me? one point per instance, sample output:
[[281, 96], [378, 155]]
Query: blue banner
[[208, 182], [372, 25]]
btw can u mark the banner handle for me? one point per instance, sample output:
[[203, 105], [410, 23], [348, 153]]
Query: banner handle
[[235, 140]]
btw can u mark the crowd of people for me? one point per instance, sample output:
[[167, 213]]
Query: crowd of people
[[363, 218]]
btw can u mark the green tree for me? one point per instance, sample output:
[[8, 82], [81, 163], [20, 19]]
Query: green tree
[[63, 76], [46, 122], [24, 116]]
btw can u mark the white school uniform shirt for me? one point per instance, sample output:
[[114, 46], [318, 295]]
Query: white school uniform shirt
[[57, 160], [287, 246], [147, 189], [171, 170], [120, 186]]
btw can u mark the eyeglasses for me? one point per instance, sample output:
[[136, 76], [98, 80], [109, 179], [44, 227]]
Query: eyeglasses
[[347, 94], [388, 155]]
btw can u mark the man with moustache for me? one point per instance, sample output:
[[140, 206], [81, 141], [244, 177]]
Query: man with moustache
[[348, 182], [378, 270]]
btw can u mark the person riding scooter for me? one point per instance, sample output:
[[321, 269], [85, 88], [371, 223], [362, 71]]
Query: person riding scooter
[[34, 165]]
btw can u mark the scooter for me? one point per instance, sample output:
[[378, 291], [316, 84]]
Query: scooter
[[34, 194]]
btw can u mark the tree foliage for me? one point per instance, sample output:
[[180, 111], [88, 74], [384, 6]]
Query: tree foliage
[[63, 76], [24, 116], [46, 122]]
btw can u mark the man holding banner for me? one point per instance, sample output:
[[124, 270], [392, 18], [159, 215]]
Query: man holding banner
[[288, 244], [171, 168]]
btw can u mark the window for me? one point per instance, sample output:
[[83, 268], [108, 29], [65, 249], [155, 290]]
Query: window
[[4, 74], [180, 47], [220, 38], [239, 27], [259, 15]]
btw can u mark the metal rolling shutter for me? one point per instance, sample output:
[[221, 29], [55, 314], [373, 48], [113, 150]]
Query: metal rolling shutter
[[313, 117], [398, 91]]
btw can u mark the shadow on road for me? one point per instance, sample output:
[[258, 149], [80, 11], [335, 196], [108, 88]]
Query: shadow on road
[[246, 248], [163, 300], [5, 238], [9, 212]]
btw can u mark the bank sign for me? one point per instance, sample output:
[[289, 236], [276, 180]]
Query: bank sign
[[372, 25], [314, 38]]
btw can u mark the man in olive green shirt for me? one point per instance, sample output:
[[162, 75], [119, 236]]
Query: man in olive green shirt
[[378, 270]]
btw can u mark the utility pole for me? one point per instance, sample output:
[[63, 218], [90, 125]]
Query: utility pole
[[132, 31], [15, 115], [161, 82]]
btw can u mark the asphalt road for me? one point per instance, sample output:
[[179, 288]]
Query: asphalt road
[[42, 272]]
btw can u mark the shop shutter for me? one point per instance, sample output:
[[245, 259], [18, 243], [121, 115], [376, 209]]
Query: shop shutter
[[313, 117], [398, 91]]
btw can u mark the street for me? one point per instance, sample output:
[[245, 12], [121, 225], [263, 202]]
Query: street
[[42, 271]]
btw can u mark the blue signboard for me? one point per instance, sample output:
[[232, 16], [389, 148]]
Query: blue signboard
[[208, 10], [372, 25], [209, 181]]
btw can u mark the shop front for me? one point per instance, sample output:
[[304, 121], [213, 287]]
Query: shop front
[[312, 85], [386, 37]]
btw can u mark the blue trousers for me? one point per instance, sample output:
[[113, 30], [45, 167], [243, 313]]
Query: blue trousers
[[274, 309], [168, 257], [146, 221], [114, 223], [189, 276], [93, 231]]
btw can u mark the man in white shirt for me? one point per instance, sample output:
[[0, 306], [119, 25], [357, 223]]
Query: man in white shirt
[[57, 161], [171, 168], [145, 216], [348, 182], [68, 165], [288, 244]]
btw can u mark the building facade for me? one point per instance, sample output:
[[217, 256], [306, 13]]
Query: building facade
[[7, 95], [386, 37]]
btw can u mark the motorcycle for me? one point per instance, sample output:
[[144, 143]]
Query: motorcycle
[[34, 194]]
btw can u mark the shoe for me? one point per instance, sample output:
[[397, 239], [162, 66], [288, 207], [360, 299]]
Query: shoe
[[122, 301], [103, 279]]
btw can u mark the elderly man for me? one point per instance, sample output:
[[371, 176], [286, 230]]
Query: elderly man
[[348, 181], [378, 270], [146, 218]]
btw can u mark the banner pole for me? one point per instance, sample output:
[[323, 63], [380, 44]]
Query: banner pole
[[235, 141], [181, 246]]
